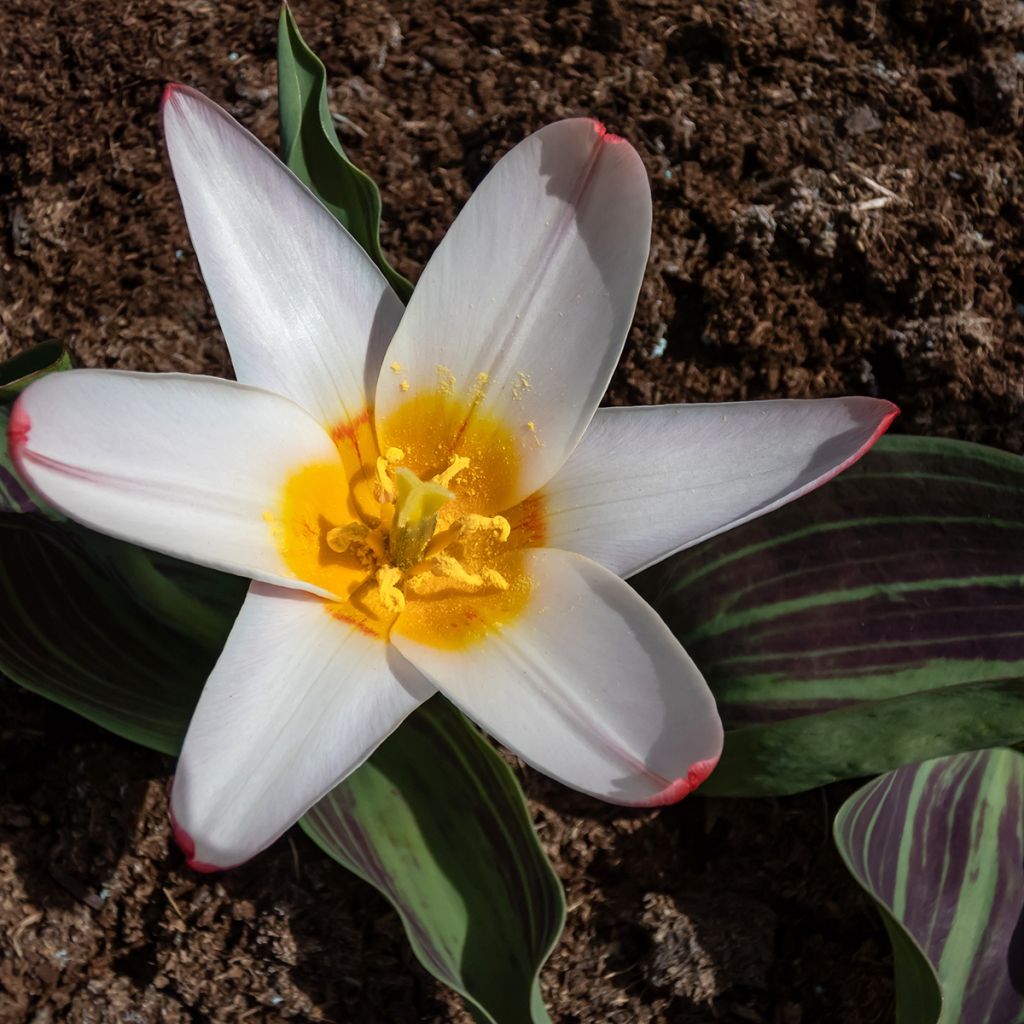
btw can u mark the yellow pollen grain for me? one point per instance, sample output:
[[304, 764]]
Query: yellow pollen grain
[[404, 386], [445, 380], [521, 385], [531, 426], [396, 367]]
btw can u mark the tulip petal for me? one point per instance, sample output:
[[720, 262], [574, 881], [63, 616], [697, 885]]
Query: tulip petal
[[587, 684], [521, 313], [304, 310], [183, 464], [646, 482], [297, 701]]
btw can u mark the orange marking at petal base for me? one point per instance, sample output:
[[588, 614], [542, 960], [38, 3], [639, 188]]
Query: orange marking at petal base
[[676, 790], [349, 430]]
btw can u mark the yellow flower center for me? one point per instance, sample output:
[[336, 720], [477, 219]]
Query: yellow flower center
[[420, 538]]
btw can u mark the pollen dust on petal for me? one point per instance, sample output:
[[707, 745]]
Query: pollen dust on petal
[[445, 380], [520, 386]]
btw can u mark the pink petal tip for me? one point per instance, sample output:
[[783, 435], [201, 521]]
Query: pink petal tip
[[604, 134], [188, 847], [882, 427], [676, 790], [18, 427]]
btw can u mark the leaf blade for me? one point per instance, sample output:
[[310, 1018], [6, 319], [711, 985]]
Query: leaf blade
[[310, 147], [940, 847], [438, 870]]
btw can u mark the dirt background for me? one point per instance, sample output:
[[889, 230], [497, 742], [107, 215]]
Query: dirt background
[[838, 210]]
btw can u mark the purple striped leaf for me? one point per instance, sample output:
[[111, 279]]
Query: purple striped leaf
[[832, 629], [450, 847], [940, 847]]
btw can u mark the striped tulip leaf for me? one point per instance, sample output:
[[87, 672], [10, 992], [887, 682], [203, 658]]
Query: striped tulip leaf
[[832, 629], [310, 147], [438, 868], [940, 847]]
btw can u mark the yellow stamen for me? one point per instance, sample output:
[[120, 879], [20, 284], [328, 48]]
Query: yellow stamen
[[455, 467], [470, 523], [474, 523], [385, 463], [366, 544], [493, 578], [451, 569], [448, 568], [388, 578]]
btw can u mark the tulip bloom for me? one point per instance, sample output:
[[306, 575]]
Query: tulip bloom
[[426, 499]]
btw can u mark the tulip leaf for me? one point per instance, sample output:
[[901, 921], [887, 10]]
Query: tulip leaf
[[877, 621], [940, 847], [73, 629], [18, 372], [310, 147], [430, 840]]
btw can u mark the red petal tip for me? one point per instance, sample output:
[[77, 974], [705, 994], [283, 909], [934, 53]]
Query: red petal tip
[[882, 427], [18, 427], [604, 134], [169, 90], [675, 791], [188, 847]]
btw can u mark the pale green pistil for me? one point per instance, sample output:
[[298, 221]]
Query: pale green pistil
[[417, 504]]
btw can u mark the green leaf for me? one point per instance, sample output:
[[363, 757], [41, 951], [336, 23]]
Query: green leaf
[[310, 147], [17, 373], [452, 847], [74, 630], [831, 629], [940, 847]]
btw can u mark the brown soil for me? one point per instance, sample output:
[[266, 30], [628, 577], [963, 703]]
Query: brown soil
[[837, 209]]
